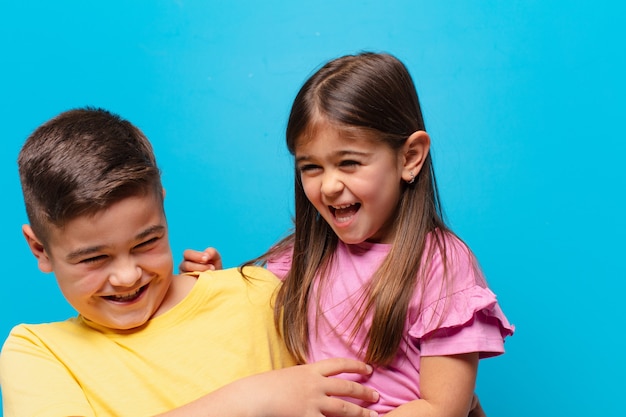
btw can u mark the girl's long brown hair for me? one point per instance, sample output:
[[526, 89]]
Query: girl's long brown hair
[[372, 93]]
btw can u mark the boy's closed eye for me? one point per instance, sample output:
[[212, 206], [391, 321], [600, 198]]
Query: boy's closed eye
[[147, 244], [93, 259], [142, 246]]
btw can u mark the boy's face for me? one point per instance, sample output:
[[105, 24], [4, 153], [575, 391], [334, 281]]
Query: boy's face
[[114, 267]]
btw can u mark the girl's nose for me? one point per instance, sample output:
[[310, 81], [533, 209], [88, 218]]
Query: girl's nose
[[331, 184]]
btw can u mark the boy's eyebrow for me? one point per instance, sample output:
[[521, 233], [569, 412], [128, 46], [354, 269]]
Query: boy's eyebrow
[[157, 228], [82, 252]]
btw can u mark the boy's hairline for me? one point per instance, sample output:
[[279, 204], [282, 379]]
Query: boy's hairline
[[54, 207], [43, 229]]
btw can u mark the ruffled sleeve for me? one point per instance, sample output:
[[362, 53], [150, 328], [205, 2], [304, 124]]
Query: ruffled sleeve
[[467, 321], [460, 314]]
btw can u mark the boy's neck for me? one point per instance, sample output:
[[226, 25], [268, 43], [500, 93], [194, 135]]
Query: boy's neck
[[179, 288]]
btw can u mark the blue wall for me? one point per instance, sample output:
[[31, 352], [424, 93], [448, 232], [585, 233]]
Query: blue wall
[[524, 101]]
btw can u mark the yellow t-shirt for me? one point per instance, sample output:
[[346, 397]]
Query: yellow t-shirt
[[222, 331]]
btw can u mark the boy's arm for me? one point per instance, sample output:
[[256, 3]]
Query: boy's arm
[[34, 382], [297, 391], [447, 387]]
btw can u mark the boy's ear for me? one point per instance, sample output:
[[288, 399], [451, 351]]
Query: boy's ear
[[36, 247], [416, 150]]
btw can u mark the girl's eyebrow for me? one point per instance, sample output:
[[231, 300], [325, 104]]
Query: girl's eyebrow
[[342, 153], [354, 153], [82, 252]]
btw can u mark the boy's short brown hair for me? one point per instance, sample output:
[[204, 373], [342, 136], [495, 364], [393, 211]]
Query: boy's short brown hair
[[80, 162]]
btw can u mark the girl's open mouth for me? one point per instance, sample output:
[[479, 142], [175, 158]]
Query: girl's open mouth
[[344, 213]]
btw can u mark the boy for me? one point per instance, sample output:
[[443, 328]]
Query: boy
[[145, 341]]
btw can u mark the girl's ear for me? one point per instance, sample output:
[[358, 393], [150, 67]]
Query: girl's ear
[[36, 247], [415, 151]]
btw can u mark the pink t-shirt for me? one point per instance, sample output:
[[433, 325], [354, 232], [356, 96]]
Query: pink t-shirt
[[472, 322]]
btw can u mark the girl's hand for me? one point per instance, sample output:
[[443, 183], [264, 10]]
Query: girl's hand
[[194, 260]]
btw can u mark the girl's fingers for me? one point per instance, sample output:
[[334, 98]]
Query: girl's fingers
[[195, 256], [187, 266], [194, 260]]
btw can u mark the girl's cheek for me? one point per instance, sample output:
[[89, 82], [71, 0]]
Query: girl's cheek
[[309, 189]]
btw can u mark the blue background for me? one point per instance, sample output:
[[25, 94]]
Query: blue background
[[524, 101]]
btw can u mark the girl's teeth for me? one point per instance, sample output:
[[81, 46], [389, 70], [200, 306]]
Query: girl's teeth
[[345, 212]]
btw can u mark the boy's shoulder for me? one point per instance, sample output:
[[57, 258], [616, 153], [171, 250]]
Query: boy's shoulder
[[243, 275], [70, 325], [42, 333], [249, 279]]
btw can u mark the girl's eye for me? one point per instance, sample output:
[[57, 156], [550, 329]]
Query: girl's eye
[[308, 168], [349, 163]]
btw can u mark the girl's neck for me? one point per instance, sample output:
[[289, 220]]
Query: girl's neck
[[366, 246]]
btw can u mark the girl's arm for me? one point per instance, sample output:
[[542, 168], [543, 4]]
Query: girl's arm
[[297, 391], [446, 385]]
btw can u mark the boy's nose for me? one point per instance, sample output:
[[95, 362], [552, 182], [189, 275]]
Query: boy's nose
[[125, 275]]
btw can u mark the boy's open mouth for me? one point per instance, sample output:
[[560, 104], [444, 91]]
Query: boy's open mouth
[[127, 297], [345, 212]]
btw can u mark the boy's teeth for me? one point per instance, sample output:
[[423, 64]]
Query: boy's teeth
[[125, 297]]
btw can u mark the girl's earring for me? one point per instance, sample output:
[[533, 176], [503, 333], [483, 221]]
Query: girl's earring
[[412, 180]]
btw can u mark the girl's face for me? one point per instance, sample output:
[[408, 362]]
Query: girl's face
[[354, 183]]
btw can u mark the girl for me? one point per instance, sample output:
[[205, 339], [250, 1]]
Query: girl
[[372, 271]]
